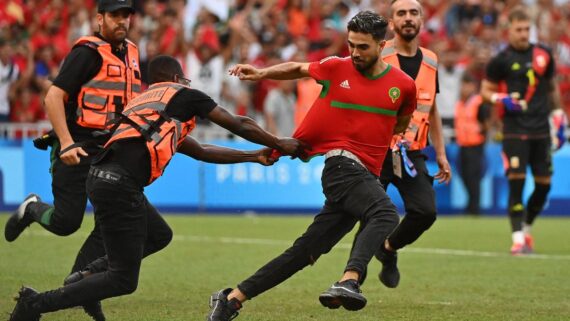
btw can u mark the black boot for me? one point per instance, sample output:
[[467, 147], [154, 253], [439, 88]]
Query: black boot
[[93, 309], [24, 309]]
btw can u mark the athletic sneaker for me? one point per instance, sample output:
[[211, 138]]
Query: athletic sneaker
[[18, 222], [93, 309], [389, 275], [517, 249], [23, 311], [221, 309], [528, 244], [346, 294]]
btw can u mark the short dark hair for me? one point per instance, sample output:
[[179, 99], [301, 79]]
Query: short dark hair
[[518, 13], [370, 23], [163, 68]]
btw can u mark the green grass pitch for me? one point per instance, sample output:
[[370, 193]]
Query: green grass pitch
[[459, 270]]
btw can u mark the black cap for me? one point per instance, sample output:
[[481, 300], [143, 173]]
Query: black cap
[[114, 5]]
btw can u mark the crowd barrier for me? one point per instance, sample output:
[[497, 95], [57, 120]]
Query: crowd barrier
[[290, 186]]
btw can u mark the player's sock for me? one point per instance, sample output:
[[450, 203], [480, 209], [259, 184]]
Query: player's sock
[[518, 237], [536, 202], [516, 208]]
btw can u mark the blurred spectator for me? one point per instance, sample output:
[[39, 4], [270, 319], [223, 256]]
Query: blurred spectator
[[204, 65], [279, 109], [210, 35], [449, 75], [471, 116], [9, 72]]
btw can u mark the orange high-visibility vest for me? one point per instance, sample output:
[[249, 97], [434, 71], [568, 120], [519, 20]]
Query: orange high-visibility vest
[[145, 117], [417, 133], [112, 88], [468, 129]]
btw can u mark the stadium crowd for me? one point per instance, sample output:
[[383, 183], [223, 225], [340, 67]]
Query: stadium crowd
[[208, 36]]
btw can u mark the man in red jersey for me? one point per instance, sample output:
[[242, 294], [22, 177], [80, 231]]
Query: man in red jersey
[[363, 102]]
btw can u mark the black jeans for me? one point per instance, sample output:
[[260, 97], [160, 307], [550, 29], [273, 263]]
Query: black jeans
[[131, 229], [352, 194], [70, 200], [418, 196]]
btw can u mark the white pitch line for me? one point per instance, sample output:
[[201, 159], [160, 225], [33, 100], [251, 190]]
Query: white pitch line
[[272, 242]]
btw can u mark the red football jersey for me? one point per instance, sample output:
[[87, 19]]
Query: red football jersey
[[355, 112]]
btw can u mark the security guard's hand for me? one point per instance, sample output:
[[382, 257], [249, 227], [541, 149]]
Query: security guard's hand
[[72, 156], [245, 72], [293, 147], [265, 157], [444, 173]]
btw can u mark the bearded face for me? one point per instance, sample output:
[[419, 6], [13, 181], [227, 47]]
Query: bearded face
[[406, 20]]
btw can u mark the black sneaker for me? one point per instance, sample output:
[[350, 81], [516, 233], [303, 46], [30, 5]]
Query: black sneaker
[[221, 309], [23, 311], [346, 294], [93, 309], [389, 275], [18, 222]]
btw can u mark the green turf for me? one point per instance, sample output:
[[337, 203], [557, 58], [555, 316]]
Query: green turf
[[212, 252]]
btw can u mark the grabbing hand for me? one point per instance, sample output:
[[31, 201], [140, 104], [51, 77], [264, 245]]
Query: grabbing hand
[[265, 157], [71, 156], [293, 147], [511, 102], [245, 72]]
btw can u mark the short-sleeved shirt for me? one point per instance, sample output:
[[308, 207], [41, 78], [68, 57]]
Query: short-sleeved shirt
[[132, 153], [80, 66], [514, 68], [411, 66], [356, 112]]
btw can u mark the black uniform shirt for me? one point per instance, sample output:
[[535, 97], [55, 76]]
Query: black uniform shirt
[[81, 65], [513, 67], [411, 66], [133, 155]]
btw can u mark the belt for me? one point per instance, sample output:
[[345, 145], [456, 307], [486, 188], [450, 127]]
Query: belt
[[344, 153], [105, 174]]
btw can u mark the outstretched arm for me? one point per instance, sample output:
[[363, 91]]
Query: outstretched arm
[[283, 71], [223, 155], [247, 128]]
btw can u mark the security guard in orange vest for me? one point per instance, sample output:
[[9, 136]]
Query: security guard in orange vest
[[521, 81], [98, 78], [153, 127], [471, 116], [406, 167]]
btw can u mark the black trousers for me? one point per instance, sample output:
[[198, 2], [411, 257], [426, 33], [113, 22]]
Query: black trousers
[[418, 196], [131, 229], [471, 171], [352, 194], [70, 200]]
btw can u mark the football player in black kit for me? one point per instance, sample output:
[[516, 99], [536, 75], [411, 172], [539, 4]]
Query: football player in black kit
[[520, 82]]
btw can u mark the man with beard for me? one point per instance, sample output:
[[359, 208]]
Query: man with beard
[[406, 167], [97, 79], [133, 158], [363, 102]]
